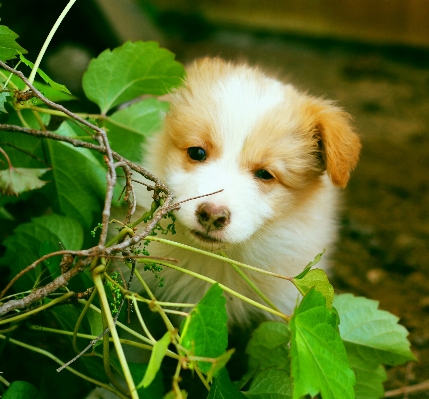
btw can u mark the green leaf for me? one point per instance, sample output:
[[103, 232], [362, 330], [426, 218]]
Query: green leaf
[[14, 181], [9, 48], [23, 247], [29, 144], [44, 76], [158, 352], [319, 360], [372, 333], [369, 376], [205, 331], [3, 99], [20, 390], [128, 128], [269, 346], [318, 279], [130, 71], [79, 178], [223, 388], [271, 384], [48, 91]]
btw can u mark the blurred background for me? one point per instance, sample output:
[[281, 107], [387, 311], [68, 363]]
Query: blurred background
[[370, 56]]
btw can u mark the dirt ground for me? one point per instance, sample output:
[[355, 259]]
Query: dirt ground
[[383, 249]]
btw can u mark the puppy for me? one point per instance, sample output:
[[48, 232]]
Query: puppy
[[278, 156]]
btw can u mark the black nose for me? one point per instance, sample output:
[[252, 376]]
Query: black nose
[[213, 217]]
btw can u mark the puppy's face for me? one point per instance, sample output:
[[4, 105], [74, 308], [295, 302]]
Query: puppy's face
[[260, 142]]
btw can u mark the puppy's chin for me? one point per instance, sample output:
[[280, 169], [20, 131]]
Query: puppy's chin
[[207, 241]]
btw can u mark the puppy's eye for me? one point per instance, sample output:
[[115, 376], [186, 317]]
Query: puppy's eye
[[197, 153], [263, 174]]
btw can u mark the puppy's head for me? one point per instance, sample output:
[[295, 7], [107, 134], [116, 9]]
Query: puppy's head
[[265, 145]]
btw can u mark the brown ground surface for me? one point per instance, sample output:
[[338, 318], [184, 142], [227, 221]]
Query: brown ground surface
[[383, 250]]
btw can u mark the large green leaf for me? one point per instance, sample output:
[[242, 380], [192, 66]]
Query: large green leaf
[[271, 384], [9, 48], [23, 247], [130, 71], [372, 337], [372, 333], [79, 177], [205, 331], [319, 360], [369, 376], [128, 128], [269, 346], [20, 390]]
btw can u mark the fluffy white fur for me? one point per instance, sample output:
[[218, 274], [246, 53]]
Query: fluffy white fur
[[246, 122]]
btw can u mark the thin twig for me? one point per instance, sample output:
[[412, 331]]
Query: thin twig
[[410, 390], [40, 260], [129, 197], [43, 292]]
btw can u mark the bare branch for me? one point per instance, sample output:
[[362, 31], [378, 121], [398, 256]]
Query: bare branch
[[43, 292], [38, 261]]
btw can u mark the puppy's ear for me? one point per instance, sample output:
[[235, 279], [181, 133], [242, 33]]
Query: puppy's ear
[[338, 143]]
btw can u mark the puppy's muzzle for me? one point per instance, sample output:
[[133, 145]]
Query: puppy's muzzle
[[213, 217]]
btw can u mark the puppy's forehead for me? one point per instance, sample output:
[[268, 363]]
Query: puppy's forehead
[[241, 101]]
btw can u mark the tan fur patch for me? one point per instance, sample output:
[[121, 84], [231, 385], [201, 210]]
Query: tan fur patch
[[340, 144], [280, 145]]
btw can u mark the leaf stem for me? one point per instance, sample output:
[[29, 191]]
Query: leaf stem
[[47, 41], [253, 285], [119, 324], [4, 381], [80, 318], [97, 273], [37, 310], [215, 256], [142, 323], [225, 288]]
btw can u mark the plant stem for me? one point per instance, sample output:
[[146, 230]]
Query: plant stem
[[142, 323], [176, 305], [119, 324], [92, 337], [161, 311], [55, 359], [4, 381], [220, 257], [47, 41], [79, 320], [37, 310], [97, 273], [225, 288], [253, 285]]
